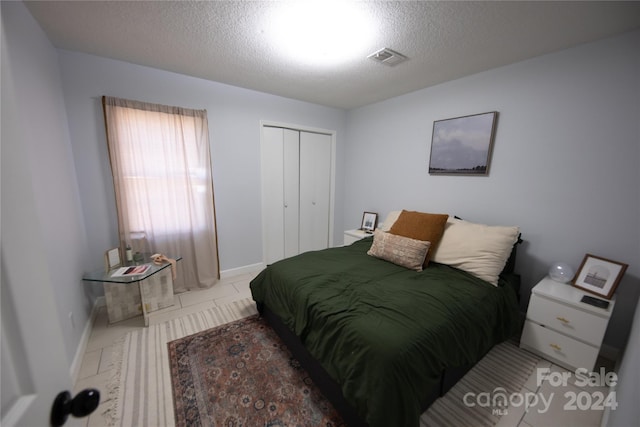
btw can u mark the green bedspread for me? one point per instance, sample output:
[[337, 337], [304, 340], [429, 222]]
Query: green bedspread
[[383, 332]]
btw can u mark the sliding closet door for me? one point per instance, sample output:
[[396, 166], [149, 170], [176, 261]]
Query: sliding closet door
[[315, 190], [296, 191], [273, 200], [291, 140], [280, 192]]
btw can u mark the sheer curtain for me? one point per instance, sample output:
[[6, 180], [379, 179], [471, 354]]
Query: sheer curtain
[[161, 168]]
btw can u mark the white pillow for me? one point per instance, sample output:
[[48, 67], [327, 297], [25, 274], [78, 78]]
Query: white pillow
[[478, 249], [389, 220]]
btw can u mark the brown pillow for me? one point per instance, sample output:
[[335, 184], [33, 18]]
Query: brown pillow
[[402, 251], [421, 226]]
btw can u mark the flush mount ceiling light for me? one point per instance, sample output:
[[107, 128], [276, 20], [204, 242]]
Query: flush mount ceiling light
[[388, 57], [321, 32]]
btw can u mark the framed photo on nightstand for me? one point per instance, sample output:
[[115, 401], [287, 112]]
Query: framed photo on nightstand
[[599, 276], [369, 221]]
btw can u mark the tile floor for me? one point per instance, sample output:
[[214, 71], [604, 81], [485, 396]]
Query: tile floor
[[558, 401], [95, 369]]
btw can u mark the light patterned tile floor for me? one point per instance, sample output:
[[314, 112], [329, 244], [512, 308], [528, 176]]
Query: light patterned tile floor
[[95, 370]]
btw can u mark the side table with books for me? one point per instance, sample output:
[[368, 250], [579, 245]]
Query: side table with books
[[137, 288]]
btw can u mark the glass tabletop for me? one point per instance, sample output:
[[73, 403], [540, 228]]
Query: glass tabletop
[[112, 276]]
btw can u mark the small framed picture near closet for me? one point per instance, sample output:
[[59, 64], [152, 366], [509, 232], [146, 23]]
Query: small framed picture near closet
[[369, 221]]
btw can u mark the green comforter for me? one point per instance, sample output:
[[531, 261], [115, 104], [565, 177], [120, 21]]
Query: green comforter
[[383, 332]]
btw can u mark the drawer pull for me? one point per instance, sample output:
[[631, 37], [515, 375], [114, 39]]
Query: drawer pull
[[562, 319], [556, 347]]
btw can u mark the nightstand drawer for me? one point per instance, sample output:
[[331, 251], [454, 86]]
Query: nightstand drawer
[[567, 320], [558, 348]]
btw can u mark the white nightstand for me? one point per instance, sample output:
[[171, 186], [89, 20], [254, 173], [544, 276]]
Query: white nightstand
[[562, 329], [351, 236]]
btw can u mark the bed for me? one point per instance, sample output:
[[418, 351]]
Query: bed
[[383, 341]]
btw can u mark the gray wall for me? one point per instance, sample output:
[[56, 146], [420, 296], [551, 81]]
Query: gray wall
[[40, 199], [234, 125], [565, 164]]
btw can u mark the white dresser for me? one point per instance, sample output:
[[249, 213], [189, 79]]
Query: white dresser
[[562, 329]]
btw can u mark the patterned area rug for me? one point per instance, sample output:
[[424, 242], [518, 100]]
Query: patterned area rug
[[140, 393], [242, 374]]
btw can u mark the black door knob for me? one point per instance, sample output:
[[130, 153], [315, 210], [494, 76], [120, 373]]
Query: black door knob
[[82, 405]]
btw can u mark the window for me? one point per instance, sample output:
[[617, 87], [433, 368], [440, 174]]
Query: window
[[160, 160]]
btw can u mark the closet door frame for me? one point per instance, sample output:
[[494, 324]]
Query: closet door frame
[[265, 124]]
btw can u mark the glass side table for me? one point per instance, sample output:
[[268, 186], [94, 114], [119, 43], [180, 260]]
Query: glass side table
[[130, 296]]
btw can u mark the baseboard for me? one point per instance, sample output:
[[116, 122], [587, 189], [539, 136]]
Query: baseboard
[[76, 365], [247, 269]]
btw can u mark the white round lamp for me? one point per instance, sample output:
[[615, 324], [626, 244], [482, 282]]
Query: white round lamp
[[561, 272]]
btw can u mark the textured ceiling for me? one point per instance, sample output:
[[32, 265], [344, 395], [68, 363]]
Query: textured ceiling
[[228, 42]]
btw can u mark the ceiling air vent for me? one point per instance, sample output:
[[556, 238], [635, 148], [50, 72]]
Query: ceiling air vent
[[388, 57]]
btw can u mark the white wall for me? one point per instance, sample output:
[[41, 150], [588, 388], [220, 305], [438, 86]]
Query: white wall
[[40, 202], [565, 164], [234, 124]]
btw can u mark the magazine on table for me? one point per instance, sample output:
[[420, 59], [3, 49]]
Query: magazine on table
[[133, 270]]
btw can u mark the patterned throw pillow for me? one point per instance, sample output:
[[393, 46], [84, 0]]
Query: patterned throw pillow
[[402, 251], [421, 226]]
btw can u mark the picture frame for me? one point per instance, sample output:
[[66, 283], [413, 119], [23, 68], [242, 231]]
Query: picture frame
[[369, 221], [112, 259], [463, 145], [599, 276]]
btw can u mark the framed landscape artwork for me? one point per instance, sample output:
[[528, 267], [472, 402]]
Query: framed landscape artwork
[[462, 145], [599, 276]]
